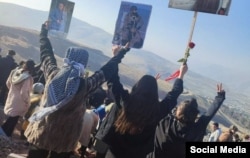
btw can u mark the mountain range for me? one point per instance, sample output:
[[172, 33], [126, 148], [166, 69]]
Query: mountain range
[[19, 31]]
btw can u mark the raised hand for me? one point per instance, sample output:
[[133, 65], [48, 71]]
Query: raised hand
[[220, 91], [116, 48], [183, 69], [219, 88], [46, 25]]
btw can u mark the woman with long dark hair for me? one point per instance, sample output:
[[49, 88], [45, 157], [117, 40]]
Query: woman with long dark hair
[[129, 128]]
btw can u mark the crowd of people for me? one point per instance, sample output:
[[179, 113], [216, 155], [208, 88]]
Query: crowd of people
[[67, 112]]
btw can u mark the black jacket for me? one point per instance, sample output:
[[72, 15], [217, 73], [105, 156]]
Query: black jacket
[[6, 65], [171, 135], [139, 145]]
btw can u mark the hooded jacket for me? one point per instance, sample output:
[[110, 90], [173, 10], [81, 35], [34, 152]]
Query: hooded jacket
[[20, 84]]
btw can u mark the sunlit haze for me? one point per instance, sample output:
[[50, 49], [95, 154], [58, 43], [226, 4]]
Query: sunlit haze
[[220, 40]]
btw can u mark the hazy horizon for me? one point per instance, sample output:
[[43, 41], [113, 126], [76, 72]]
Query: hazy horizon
[[222, 42]]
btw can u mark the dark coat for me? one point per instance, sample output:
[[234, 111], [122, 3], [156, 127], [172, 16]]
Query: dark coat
[[171, 134], [7, 64], [138, 145]]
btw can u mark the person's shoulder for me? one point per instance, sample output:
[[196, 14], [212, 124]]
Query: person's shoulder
[[218, 131], [225, 136]]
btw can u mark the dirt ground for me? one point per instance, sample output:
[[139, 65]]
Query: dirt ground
[[17, 145], [13, 144]]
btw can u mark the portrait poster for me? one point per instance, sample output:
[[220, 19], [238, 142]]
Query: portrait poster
[[131, 24], [60, 16], [220, 7]]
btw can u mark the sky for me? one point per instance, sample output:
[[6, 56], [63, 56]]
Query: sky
[[220, 40]]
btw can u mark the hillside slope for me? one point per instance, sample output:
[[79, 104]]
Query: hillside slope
[[26, 44]]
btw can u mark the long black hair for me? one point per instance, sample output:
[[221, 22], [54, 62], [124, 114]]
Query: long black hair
[[140, 110], [29, 66]]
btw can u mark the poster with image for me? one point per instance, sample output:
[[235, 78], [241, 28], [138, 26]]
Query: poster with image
[[131, 24], [60, 16], [220, 7]]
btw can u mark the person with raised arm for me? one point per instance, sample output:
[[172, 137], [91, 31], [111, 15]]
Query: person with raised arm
[[56, 127], [182, 125]]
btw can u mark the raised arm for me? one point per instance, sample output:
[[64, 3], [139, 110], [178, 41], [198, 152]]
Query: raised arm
[[118, 92], [107, 71], [170, 101], [216, 103], [48, 60], [204, 120]]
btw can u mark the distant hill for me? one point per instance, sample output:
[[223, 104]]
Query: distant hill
[[87, 35], [24, 39]]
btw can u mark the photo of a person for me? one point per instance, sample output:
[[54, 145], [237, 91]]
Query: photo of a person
[[56, 17], [213, 6], [59, 17], [64, 20], [131, 24], [220, 7]]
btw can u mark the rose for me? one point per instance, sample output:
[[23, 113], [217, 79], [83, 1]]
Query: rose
[[191, 45], [187, 54]]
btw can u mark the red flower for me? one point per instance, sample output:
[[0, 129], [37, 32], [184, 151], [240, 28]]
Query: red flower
[[191, 45]]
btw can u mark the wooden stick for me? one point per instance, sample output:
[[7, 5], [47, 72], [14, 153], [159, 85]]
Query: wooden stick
[[186, 55]]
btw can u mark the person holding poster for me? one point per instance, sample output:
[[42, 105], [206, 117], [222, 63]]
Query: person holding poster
[[55, 128], [129, 128], [131, 24]]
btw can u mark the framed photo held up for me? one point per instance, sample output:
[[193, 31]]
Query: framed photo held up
[[60, 16], [131, 24]]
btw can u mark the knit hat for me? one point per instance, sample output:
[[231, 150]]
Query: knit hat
[[38, 88], [65, 84]]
